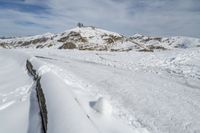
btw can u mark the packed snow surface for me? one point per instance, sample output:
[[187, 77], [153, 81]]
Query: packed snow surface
[[104, 92], [15, 87]]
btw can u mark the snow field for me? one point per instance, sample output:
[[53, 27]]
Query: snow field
[[15, 87], [152, 92], [67, 103], [146, 90]]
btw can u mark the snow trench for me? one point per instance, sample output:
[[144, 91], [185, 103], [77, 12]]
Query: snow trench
[[57, 102], [40, 96]]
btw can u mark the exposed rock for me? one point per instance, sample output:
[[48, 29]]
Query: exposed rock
[[68, 45]]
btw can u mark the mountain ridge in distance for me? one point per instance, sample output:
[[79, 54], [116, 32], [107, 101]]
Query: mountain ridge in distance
[[92, 38]]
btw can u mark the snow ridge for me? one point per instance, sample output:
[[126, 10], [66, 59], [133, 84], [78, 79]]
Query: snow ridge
[[92, 38]]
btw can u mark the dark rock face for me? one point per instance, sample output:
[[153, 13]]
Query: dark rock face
[[112, 39], [73, 37], [4, 45], [68, 45], [35, 41]]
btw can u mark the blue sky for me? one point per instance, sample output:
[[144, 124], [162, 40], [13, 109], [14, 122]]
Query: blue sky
[[149, 17]]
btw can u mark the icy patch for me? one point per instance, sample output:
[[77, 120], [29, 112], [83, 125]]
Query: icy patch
[[103, 106]]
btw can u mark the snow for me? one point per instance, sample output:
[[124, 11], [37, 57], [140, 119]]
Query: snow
[[64, 114], [103, 106], [108, 92], [92, 38], [65, 103], [167, 42], [15, 86], [92, 32], [146, 89]]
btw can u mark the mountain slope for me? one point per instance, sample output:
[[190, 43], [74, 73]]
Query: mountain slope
[[91, 38], [166, 42]]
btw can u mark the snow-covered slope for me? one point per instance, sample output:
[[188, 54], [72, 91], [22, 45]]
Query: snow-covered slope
[[67, 110], [164, 43], [91, 38], [15, 88], [28, 42], [158, 92], [90, 90], [84, 38], [107, 92]]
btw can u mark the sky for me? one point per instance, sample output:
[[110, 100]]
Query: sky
[[148, 17]]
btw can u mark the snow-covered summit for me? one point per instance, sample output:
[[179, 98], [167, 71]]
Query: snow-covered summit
[[92, 38]]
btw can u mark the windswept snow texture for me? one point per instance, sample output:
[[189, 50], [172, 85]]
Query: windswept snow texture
[[65, 109], [107, 92], [156, 92], [15, 87]]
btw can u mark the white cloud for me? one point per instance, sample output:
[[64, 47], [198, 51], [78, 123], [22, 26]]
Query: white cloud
[[153, 17]]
